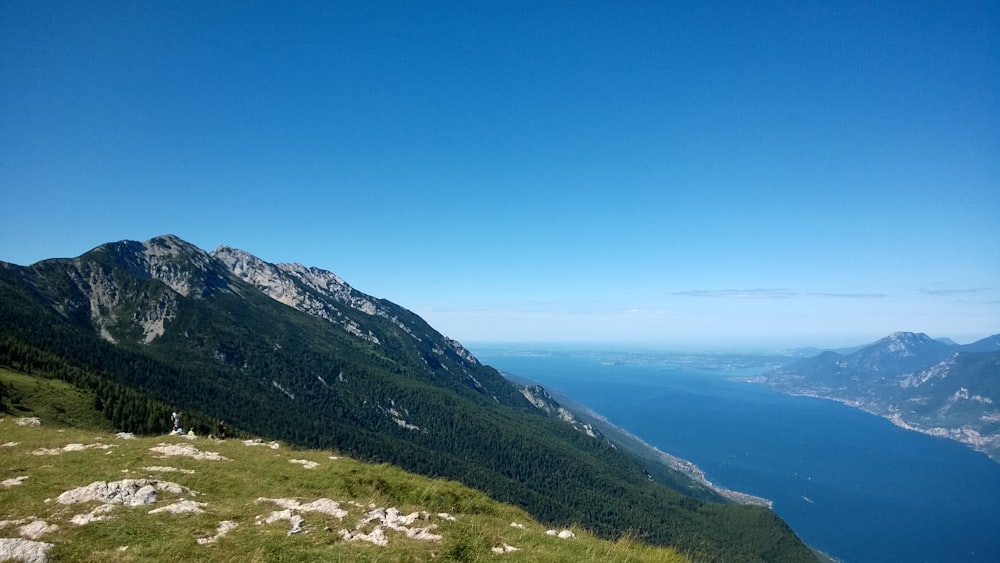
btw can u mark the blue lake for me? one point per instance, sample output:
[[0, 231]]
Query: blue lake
[[851, 484]]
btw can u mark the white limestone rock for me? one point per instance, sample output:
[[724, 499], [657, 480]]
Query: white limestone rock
[[36, 529], [181, 507], [25, 551], [221, 530], [187, 450]]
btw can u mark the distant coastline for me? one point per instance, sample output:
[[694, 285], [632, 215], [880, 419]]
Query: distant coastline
[[966, 436]]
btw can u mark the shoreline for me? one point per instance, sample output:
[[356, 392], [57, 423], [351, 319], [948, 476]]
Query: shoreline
[[688, 468], [963, 435]]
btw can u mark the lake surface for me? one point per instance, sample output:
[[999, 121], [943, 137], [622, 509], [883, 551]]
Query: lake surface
[[851, 484]]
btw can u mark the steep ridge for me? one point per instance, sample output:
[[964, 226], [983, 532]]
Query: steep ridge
[[296, 354], [916, 382]]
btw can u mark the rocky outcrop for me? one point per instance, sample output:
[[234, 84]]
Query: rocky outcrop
[[540, 398], [317, 292], [128, 492]]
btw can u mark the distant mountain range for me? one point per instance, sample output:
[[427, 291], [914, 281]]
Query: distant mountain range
[[294, 353], [919, 383]]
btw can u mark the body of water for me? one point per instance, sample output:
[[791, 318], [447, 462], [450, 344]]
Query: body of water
[[851, 484]]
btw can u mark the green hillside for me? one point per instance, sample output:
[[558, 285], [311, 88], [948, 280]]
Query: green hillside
[[296, 355], [38, 465]]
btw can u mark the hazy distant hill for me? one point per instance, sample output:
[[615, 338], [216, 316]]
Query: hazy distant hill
[[294, 353], [915, 381]]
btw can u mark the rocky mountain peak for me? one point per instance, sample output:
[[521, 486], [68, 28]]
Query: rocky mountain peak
[[909, 337], [177, 263], [170, 243], [113, 287], [903, 343], [900, 352]]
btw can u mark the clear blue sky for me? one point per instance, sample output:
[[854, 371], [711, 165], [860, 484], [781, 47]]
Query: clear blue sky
[[712, 174]]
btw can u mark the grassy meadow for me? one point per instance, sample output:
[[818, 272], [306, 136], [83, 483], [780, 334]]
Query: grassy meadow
[[37, 465]]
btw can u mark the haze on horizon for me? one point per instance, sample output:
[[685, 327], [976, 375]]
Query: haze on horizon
[[674, 174]]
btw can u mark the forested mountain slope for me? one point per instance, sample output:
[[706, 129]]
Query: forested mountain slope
[[918, 383], [296, 354]]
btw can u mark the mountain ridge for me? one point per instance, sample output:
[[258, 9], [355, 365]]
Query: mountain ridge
[[294, 353], [916, 382]]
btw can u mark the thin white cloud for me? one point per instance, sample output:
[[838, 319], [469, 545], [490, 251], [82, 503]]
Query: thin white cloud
[[947, 292], [847, 295], [775, 294], [740, 293]]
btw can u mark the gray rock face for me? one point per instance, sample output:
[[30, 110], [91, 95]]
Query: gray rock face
[[540, 398], [317, 292]]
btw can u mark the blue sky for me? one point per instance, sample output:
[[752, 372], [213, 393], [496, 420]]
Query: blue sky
[[679, 174]]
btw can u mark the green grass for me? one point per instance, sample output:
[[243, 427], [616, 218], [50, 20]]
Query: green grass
[[231, 488], [51, 400]]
